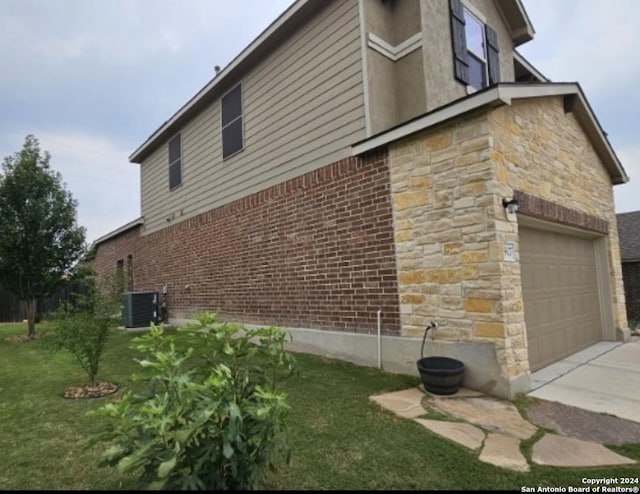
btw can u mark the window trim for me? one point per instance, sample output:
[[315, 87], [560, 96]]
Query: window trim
[[178, 134], [473, 10], [224, 158]]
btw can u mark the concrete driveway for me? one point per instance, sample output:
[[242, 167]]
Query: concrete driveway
[[603, 378]]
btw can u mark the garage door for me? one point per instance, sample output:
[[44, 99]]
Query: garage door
[[560, 291]]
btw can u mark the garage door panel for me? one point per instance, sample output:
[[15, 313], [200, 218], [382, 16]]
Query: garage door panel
[[534, 353], [560, 291]]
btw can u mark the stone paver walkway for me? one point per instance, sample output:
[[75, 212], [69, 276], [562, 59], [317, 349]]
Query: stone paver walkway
[[468, 435], [495, 428], [504, 451], [560, 451]]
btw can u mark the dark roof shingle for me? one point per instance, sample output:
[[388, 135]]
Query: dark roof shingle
[[629, 235]]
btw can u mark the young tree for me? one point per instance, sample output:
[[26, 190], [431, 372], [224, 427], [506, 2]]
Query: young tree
[[82, 326], [40, 239]]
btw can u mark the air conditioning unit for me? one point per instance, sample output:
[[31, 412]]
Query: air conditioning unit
[[140, 309]]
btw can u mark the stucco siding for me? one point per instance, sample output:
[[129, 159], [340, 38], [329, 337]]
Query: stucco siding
[[382, 91], [410, 86], [441, 86], [303, 106]]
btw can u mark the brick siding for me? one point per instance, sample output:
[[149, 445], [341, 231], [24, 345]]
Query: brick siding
[[550, 211], [118, 248], [631, 277], [316, 251]]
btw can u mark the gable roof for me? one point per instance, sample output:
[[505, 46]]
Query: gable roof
[[272, 35], [513, 13], [629, 235], [517, 20], [503, 94]]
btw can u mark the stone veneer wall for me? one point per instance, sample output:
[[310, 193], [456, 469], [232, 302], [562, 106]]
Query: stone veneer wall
[[450, 226], [542, 151]]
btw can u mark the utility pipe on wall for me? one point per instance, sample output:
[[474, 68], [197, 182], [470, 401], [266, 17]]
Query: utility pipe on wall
[[379, 339]]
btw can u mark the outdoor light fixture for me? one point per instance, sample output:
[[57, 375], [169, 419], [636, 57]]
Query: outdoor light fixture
[[511, 205]]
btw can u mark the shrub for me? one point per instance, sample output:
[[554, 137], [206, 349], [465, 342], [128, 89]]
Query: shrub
[[214, 422], [82, 326]]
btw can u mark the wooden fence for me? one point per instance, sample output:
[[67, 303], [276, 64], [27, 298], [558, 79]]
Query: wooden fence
[[12, 310]]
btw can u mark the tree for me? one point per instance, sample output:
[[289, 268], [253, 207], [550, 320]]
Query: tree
[[40, 240]]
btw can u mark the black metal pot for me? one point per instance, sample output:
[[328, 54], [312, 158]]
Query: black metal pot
[[440, 375]]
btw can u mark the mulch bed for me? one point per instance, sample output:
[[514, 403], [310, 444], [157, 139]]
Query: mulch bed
[[80, 391], [20, 338]]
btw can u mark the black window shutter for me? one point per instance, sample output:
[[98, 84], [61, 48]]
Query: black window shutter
[[459, 40], [492, 56], [175, 174], [175, 162]]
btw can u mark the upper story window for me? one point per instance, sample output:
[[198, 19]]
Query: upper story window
[[475, 48], [175, 162], [232, 130]]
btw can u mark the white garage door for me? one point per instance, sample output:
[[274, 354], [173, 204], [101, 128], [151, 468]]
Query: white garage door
[[560, 291]]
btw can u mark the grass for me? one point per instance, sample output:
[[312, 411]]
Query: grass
[[526, 446], [339, 439]]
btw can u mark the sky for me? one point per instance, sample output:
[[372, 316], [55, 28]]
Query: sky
[[92, 79]]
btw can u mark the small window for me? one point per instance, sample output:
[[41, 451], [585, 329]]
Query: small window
[[175, 162], [120, 274], [476, 60], [232, 122], [130, 272], [477, 52]]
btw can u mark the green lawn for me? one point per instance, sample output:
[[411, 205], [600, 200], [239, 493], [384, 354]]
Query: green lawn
[[339, 439]]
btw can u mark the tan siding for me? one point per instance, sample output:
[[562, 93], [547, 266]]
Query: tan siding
[[295, 68], [303, 108], [318, 92]]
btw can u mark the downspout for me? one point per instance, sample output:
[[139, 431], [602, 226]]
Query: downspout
[[379, 339]]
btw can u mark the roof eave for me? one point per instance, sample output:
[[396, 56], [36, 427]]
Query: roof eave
[[520, 59], [147, 147], [118, 231], [517, 20], [504, 94]]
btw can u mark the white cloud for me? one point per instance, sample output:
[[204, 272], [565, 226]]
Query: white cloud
[[91, 80], [96, 172], [594, 44], [99, 176]]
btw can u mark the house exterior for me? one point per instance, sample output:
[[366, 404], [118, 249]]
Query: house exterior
[[629, 232], [353, 172]]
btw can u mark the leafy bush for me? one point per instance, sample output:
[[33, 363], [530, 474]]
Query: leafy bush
[[214, 422], [82, 326]]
